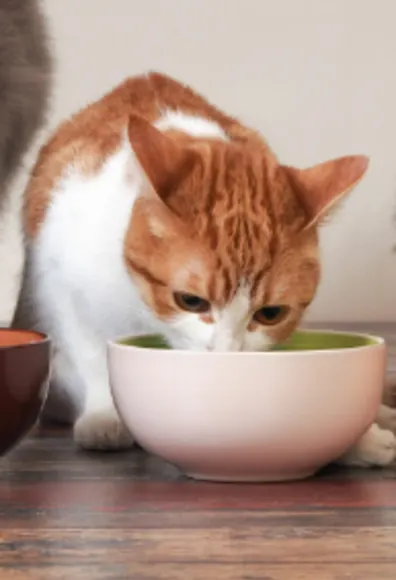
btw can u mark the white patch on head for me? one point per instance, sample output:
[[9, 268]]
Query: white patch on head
[[190, 124], [231, 326], [229, 332], [231, 322]]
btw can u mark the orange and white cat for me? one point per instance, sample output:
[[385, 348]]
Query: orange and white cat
[[152, 211]]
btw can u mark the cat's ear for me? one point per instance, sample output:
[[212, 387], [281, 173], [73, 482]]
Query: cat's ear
[[162, 158], [321, 187]]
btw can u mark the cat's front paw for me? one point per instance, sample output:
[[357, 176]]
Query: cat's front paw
[[376, 448], [102, 431]]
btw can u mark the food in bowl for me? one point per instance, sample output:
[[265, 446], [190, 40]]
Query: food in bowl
[[24, 382], [249, 416]]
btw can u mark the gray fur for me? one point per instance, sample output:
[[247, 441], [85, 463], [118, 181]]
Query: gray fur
[[25, 75]]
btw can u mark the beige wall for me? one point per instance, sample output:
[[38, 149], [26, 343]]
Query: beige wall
[[317, 78]]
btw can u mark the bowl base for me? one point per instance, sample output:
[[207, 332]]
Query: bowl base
[[253, 478]]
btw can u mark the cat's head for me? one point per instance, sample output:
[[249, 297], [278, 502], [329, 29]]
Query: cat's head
[[223, 240]]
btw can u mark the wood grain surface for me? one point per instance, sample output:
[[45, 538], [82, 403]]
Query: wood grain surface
[[67, 515]]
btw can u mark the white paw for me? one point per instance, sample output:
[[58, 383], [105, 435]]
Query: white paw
[[102, 430], [377, 447]]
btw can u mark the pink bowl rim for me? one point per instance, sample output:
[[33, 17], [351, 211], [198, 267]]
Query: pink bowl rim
[[377, 343]]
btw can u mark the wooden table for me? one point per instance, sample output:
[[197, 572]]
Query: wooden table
[[66, 514]]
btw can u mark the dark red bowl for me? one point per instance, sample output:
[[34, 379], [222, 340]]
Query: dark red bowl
[[24, 382]]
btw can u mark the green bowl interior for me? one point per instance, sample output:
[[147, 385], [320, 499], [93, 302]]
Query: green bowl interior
[[300, 340]]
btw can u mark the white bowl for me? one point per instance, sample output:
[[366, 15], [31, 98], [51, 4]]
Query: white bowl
[[268, 416]]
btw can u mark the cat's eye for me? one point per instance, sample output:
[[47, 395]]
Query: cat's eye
[[270, 315], [191, 303]]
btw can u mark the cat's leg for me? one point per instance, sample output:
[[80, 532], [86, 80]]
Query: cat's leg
[[80, 375], [377, 447], [99, 426]]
